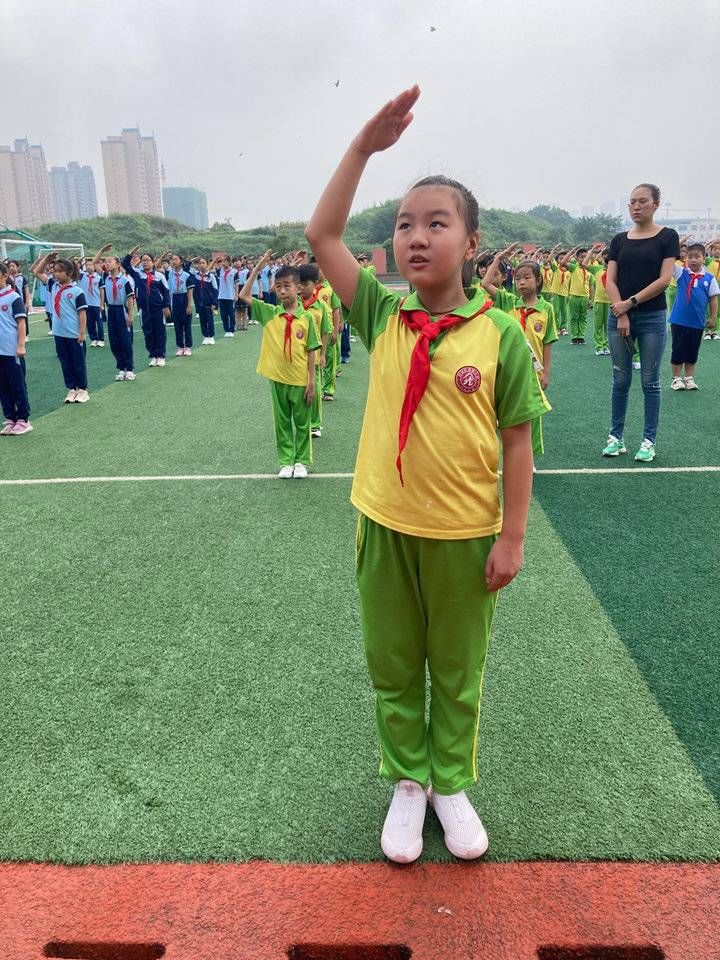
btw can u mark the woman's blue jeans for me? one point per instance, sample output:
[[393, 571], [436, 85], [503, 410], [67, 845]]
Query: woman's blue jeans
[[649, 331]]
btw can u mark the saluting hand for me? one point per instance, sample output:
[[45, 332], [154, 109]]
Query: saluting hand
[[388, 124]]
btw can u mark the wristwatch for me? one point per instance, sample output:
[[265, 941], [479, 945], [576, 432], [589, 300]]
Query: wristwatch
[[634, 301]]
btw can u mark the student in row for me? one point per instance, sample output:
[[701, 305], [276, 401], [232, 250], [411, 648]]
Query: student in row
[[13, 327], [153, 299]]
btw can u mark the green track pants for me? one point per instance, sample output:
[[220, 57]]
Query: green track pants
[[600, 319], [329, 374], [316, 409], [425, 601], [561, 311], [577, 312], [291, 411]]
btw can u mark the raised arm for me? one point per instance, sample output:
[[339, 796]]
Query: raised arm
[[245, 294], [325, 230]]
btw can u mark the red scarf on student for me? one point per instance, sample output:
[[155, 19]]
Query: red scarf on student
[[149, 278], [114, 283], [525, 313], [693, 278], [65, 286], [313, 299], [287, 343], [419, 373]]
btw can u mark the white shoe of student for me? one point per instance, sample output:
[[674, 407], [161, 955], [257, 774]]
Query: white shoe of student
[[636, 365], [129, 375], [120, 375], [316, 432], [153, 362], [401, 839], [677, 383], [180, 352], [286, 472], [690, 384], [71, 397], [101, 343], [82, 396], [707, 337], [228, 334], [465, 836], [211, 341], [160, 362], [300, 471]]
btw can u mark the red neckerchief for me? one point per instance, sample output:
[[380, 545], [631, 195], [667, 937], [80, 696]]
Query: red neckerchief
[[419, 372], [65, 286], [693, 278], [178, 280], [90, 280], [225, 274], [603, 278], [525, 313], [287, 343], [114, 293], [313, 299], [149, 279]]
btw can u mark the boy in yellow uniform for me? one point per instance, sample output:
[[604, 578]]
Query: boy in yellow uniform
[[310, 293], [601, 304], [287, 360], [332, 355], [560, 292], [578, 292]]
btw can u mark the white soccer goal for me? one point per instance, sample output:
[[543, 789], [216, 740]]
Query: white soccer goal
[[26, 252]]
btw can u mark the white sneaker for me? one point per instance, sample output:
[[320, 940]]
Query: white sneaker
[[180, 352], [316, 432], [82, 396], [93, 343], [204, 341], [606, 351], [160, 362], [677, 383], [120, 375], [300, 471], [71, 397], [465, 835], [636, 364], [153, 362], [286, 473], [401, 839], [690, 384], [707, 337], [100, 343], [211, 341], [129, 375], [600, 353], [228, 334]]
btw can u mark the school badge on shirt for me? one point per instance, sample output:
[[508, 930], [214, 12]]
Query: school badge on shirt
[[537, 327], [300, 334], [467, 379]]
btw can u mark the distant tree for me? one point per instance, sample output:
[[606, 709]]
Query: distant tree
[[597, 229]]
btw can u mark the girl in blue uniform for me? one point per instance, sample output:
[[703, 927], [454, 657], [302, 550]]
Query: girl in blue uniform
[[69, 321], [205, 296], [13, 327], [181, 283], [153, 299], [90, 283], [118, 296]]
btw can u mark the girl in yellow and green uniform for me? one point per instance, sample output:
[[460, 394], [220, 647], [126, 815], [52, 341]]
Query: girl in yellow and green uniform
[[712, 263], [601, 300], [536, 317], [332, 355], [560, 293], [433, 546], [310, 294]]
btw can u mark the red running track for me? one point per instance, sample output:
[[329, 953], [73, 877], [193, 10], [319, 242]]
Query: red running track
[[268, 911]]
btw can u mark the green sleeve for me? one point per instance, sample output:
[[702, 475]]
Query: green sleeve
[[262, 312], [334, 301], [518, 397], [313, 340], [326, 324], [504, 300], [551, 334], [371, 308], [572, 266], [595, 269]]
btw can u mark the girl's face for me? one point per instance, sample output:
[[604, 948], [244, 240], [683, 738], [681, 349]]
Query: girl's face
[[642, 206], [525, 281], [480, 271], [147, 262], [202, 264], [4, 279], [431, 241], [12, 267], [60, 274], [175, 261]]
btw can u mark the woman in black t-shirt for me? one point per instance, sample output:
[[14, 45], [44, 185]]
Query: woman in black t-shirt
[[640, 265]]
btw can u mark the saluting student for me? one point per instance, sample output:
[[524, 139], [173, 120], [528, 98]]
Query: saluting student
[[310, 293], [433, 545], [181, 283], [69, 322], [153, 299], [118, 298], [13, 390], [205, 296]]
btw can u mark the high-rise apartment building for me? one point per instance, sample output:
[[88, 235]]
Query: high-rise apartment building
[[24, 185], [132, 173], [186, 204], [73, 192]]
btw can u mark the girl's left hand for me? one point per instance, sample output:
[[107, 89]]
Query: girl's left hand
[[189, 312], [309, 394], [20, 352], [544, 381], [504, 562]]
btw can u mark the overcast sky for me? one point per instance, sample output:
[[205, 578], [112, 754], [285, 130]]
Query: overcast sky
[[527, 101]]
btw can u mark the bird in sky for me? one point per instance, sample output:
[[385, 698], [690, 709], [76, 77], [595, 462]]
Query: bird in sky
[[337, 83], [433, 29]]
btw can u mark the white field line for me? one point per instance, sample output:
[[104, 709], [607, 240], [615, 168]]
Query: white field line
[[579, 471]]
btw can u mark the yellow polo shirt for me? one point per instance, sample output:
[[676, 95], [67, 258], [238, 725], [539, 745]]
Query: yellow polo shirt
[[540, 327], [321, 316], [275, 363], [547, 274], [579, 280], [561, 280], [328, 297], [599, 270], [481, 379]]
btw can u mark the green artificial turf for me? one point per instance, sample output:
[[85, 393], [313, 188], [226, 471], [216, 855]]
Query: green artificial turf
[[184, 673]]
